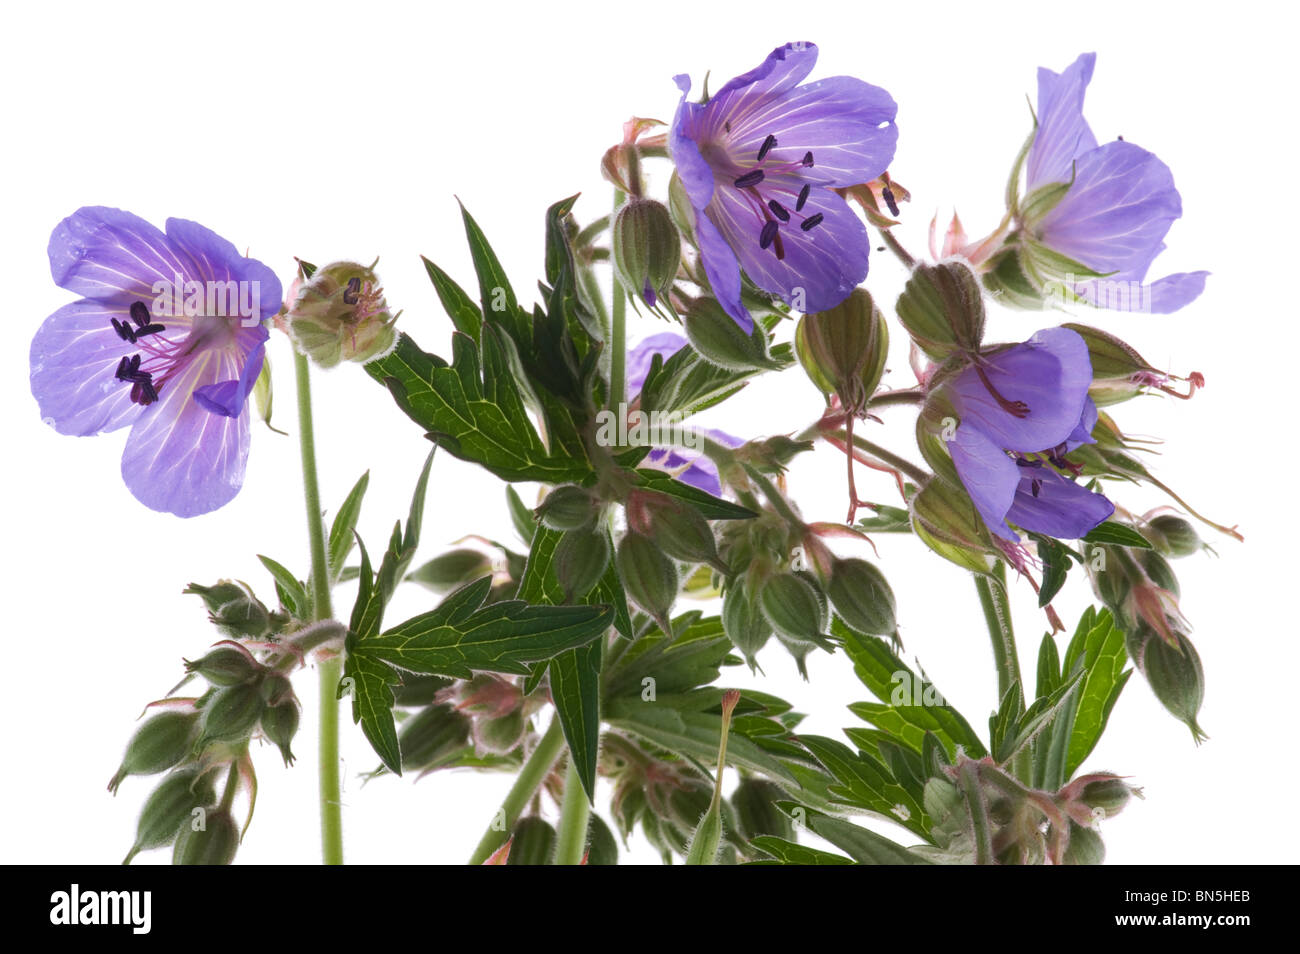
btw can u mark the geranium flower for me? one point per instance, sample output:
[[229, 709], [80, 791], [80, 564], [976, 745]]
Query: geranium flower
[[688, 466], [168, 338], [1022, 409], [759, 162], [1118, 209]]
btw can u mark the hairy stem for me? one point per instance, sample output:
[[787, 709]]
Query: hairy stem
[[571, 838], [618, 338], [331, 809]]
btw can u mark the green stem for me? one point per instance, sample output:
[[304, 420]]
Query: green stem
[[902, 254], [997, 616], [575, 812], [618, 338], [331, 809], [526, 783]]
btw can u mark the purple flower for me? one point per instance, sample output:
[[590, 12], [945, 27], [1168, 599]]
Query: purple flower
[[759, 163], [1022, 410], [168, 338], [688, 466], [1119, 207]]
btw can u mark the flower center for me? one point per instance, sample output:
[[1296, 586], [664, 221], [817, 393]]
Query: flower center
[[159, 359], [769, 188]]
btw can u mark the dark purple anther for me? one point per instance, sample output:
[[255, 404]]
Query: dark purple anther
[[888, 195], [749, 179], [803, 197], [768, 235], [768, 143], [123, 330], [139, 313], [350, 293], [811, 222], [807, 159], [778, 210]]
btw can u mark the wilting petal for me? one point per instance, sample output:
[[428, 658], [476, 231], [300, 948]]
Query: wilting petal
[[1063, 134], [1050, 373], [826, 262], [639, 357], [74, 357], [1115, 216], [989, 476], [1060, 508], [693, 467], [180, 458], [227, 398], [847, 125], [784, 68], [103, 253]]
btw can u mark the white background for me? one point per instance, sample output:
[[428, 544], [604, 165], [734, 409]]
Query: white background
[[344, 131]]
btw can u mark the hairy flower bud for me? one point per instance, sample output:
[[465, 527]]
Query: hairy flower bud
[[419, 691], [862, 597], [452, 570], [647, 249], [649, 577], [340, 315], [1173, 672], [744, 623], [1173, 536], [942, 308], [719, 340], [946, 521], [234, 609], [164, 740], [676, 526], [794, 608], [170, 806], [581, 558], [214, 842], [231, 713], [843, 349], [432, 734], [280, 725], [532, 842], [568, 507], [227, 665]]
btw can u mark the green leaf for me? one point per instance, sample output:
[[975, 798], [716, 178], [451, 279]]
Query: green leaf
[[694, 658], [709, 506], [1040, 715], [686, 384], [1056, 564], [789, 853], [341, 538], [496, 296], [473, 409], [891, 681], [464, 314], [521, 515], [887, 519], [866, 783], [1119, 533], [1102, 657], [862, 845], [459, 638], [292, 593], [370, 681]]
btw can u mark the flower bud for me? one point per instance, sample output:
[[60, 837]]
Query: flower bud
[[946, 521], [1085, 847], [419, 691], [501, 734], [227, 665], [280, 725], [340, 315], [647, 249], [1174, 673], [171, 806], [430, 735], [164, 740], [581, 558], [276, 687], [754, 801], [234, 609], [452, 570], [717, 338], [231, 714], [942, 308], [862, 597], [1159, 571], [213, 843], [568, 507], [676, 526], [794, 608], [744, 623], [1173, 536], [1108, 794], [843, 349], [1118, 371], [533, 842], [649, 577]]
